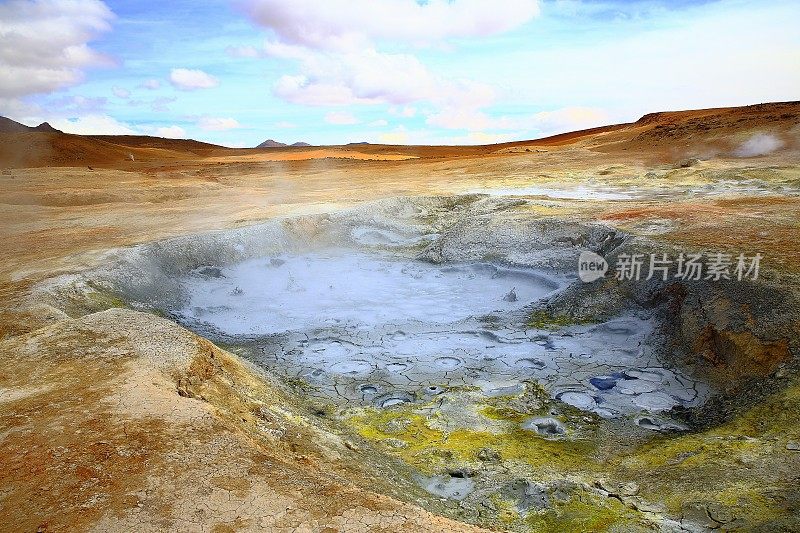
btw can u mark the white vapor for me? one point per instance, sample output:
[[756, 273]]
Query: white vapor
[[758, 144]]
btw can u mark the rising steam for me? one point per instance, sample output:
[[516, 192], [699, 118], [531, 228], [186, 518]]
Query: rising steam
[[758, 144]]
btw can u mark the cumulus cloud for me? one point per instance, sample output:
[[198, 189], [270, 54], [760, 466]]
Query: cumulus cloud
[[190, 79], [15, 109], [341, 118], [348, 24], [370, 77], [218, 124], [93, 125], [44, 44], [337, 47], [171, 132], [758, 144], [121, 92], [151, 84]]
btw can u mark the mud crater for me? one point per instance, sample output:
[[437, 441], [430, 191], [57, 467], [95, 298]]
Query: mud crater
[[373, 328], [400, 302]]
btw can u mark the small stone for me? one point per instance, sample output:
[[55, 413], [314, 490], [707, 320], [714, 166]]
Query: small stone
[[396, 444], [793, 446], [395, 426], [511, 296], [720, 514], [210, 272], [545, 426], [488, 455], [697, 513], [605, 486], [629, 489]]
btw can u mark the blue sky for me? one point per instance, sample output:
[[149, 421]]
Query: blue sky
[[396, 71]]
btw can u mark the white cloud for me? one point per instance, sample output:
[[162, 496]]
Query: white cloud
[[480, 137], [379, 123], [93, 125], [406, 111], [44, 44], [371, 77], [349, 24], [151, 84], [159, 105], [397, 136], [341, 118], [285, 125], [15, 109], [73, 106], [717, 54], [401, 135], [336, 45], [218, 124], [541, 124], [190, 79], [171, 132], [565, 120], [121, 92]]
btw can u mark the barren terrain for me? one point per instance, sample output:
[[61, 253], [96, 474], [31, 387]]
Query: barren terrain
[[114, 416]]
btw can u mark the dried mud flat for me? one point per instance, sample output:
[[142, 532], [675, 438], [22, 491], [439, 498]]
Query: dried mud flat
[[221, 342]]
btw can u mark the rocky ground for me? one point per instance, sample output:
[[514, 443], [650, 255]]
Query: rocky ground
[[117, 417]]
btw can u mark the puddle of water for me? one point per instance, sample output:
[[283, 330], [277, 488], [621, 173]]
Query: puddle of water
[[454, 488], [385, 331]]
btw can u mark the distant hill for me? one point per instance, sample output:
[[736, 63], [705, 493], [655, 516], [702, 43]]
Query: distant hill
[[46, 127], [663, 137], [11, 126], [269, 143]]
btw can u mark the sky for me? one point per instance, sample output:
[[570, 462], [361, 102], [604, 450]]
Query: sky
[[237, 72]]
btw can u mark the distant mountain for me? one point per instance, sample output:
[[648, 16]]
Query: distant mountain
[[269, 143], [11, 126]]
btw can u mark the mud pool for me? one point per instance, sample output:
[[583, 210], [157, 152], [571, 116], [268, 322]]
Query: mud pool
[[374, 329]]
